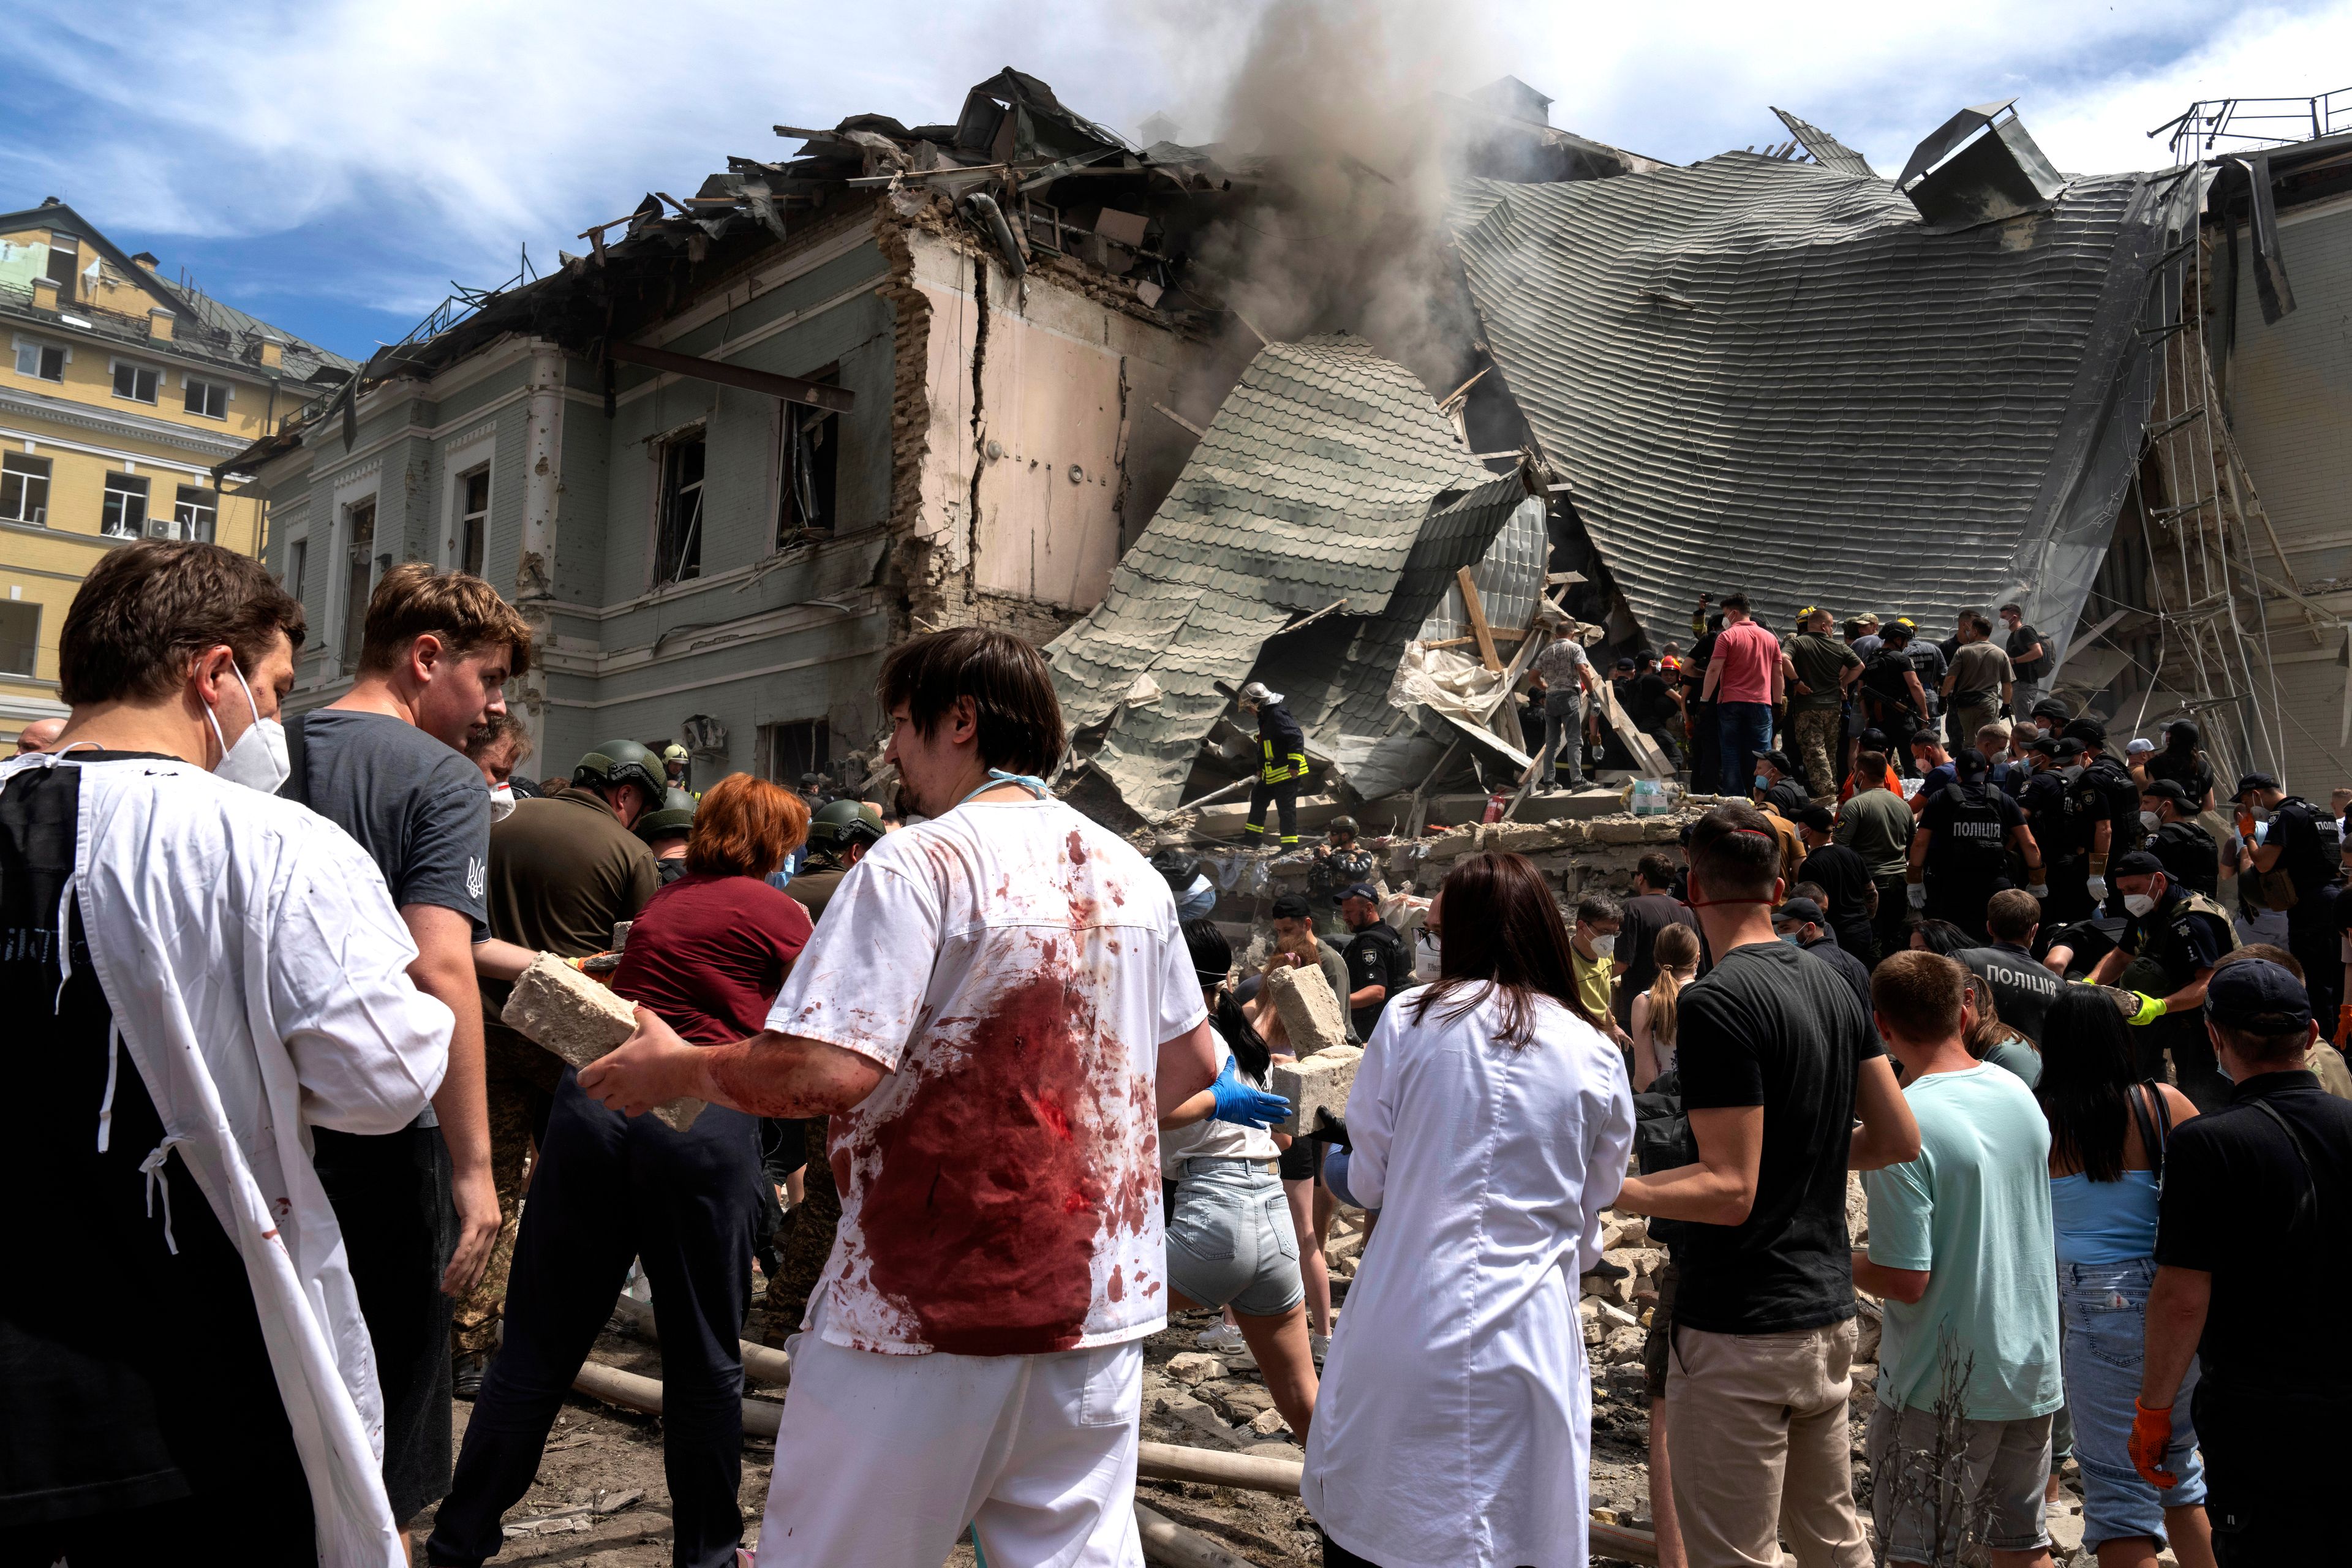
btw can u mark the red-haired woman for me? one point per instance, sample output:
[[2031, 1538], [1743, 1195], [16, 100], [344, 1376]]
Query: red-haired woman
[[707, 953], [1491, 1121]]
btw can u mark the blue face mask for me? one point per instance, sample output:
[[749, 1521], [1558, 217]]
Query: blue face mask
[[1763, 783], [1792, 939]]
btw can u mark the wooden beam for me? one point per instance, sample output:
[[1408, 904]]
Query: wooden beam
[[790, 388], [1476, 608]]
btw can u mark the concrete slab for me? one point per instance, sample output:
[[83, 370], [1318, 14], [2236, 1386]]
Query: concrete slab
[[1317, 1082], [557, 1008]]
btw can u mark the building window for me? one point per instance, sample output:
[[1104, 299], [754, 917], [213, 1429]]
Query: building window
[[208, 398], [65, 256], [20, 638], [358, 579], [812, 450], [24, 490], [135, 382], [801, 747], [124, 513], [195, 514], [43, 361], [473, 519], [678, 548], [297, 566]]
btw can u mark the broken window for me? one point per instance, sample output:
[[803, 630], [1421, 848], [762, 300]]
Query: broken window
[[124, 512], [359, 578], [802, 746], [43, 361], [678, 547], [135, 382], [195, 514], [208, 399], [473, 519], [297, 563], [24, 490], [811, 452], [20, 638], [65, 255]]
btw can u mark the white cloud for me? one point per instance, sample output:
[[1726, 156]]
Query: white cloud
[[435, 136]]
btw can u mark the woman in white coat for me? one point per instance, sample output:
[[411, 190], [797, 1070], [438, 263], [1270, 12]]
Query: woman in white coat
[[1491, 1123]]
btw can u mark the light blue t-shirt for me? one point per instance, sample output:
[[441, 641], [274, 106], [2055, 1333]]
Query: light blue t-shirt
[[1973, 1210]]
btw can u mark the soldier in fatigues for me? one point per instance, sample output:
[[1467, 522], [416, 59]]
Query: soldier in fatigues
[[2172, 942]]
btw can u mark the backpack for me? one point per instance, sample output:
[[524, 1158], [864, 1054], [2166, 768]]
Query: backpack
[[1979, 853], [1663, 1141]]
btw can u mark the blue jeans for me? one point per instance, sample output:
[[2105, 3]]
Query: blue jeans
[[1746, 729], [2105, 1308]]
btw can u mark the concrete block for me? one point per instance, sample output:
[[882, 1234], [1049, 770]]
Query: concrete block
[[557, 1008], [1317, 1082], [1192, 1367], [1313, 1017], [1268, 1422]]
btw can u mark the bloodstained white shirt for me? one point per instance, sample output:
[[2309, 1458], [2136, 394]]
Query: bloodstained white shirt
[[1015, 967]]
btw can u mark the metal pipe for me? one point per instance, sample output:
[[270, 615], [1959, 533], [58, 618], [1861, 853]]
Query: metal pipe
[[631, 1392], [760, 1362]]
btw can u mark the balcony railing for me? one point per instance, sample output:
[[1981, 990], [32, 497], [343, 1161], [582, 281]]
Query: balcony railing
[[2225, 125]]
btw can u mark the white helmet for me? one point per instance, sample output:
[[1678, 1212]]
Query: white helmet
[[1256, 695]]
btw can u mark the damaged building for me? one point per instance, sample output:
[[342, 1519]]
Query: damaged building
[[748, 440]]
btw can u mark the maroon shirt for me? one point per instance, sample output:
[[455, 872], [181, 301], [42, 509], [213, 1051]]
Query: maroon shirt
[[708, 954]]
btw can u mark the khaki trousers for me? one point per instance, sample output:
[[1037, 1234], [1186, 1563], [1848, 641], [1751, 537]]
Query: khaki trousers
[[1762, 1449]]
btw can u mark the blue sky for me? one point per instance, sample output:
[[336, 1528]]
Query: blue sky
[[334, 165]]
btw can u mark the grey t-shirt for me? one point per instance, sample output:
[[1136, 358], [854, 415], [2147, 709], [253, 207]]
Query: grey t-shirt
[[419, 809]]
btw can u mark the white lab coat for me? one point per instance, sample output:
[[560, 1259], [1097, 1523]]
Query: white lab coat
[[256, 970], [1455, 1418]]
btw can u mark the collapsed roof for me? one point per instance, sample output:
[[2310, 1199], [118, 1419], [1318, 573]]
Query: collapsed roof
[[1773, 375], [1328, 486]]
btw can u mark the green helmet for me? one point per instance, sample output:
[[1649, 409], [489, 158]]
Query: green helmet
[[676, 817], [1341, 825], [840, 825], [620, 762]]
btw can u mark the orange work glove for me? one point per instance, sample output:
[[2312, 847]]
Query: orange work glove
[[2344, 1025], [2151, 1434]]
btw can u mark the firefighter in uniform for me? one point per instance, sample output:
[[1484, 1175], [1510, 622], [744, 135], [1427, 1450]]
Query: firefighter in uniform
[[1960, 858], [2171, 941], [1282, 763], [2105, 802], [2307, 844], [2190, 857]]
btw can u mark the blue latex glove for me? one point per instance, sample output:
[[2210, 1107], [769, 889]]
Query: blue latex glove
[[1243, 1102]]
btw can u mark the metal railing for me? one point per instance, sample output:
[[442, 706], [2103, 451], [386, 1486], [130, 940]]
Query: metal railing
[[461, 303], [2200, 128], [187, 334]]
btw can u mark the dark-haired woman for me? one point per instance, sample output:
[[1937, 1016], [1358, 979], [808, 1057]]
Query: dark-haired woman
[[1230, 1239], [1491, 1121], [2179, 760], [2108, 1133]]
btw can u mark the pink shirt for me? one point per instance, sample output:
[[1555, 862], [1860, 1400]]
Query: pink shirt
[[1747, 654]]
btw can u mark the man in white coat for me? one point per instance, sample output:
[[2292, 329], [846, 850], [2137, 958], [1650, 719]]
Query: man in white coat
[[184, 1358]]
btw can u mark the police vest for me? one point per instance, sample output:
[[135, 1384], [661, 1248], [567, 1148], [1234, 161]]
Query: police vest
[[2163, 944], [1973, 842], [2318, 866], [2104, 793]]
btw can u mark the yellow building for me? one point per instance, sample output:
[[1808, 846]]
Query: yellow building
[[120, 392]]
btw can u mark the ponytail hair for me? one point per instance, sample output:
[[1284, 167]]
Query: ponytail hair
[[1213, 960], [1676, 947]]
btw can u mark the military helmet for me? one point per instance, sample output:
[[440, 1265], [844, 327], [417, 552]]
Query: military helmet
[[1340, 826], [620, 762], [676, 817], [840, 825]]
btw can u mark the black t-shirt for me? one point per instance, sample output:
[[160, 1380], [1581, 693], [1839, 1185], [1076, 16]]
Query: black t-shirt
[[1772, 1027], [1642, 917], [419, 809], [1844, 876], [110, 1398], [1376, 955], [2021, 987], [2191, 771], [1650, 706], [2024, 637], [2231, 1185], [2104, 792], [1788, 797], [1853, 971]]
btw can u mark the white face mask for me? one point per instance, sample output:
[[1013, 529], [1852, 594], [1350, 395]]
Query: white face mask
[[1604, 947], [2151, 821], [501, 802], [258, 761], [2137, 904]]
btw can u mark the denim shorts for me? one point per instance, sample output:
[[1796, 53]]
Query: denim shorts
[[2105, 1308], [1230, 1241]]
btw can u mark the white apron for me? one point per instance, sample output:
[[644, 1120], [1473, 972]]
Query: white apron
[[256, 970]]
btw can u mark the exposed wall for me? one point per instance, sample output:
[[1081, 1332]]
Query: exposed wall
[[2291, 390]]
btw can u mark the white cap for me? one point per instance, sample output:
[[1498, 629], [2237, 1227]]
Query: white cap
[[2139, 748]]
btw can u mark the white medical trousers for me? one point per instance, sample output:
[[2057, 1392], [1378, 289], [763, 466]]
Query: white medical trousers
[[883, 1459]]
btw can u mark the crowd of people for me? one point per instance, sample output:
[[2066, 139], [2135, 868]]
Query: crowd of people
[[1018, 1097]]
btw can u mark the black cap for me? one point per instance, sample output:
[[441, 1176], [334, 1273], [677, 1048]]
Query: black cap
[[1624, 663], [1292, 907], [1777, 759], [2167, 789], [1800, 911], [2252, 781], [2258, 996], [1817, 817], [1356, 890], [1873, 740], [2138, 863], [2050, 707], [2070, 748], [1968, 764], [2045, 746], [2090, 732]]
